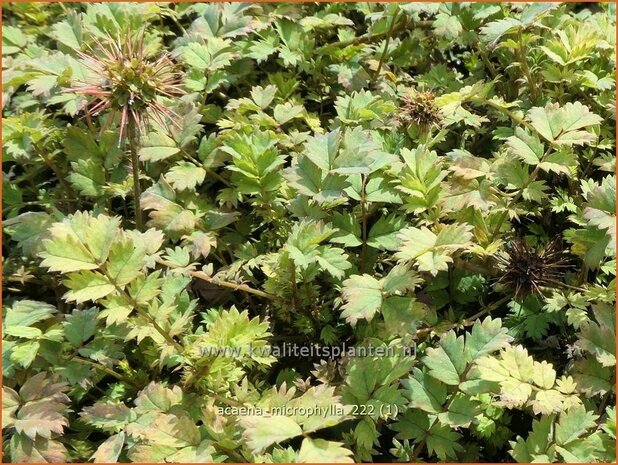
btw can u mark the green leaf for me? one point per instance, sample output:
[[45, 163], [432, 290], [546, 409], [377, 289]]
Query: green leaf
[[322, 451], [80, 326], [65, 253], [563, 125], [592, 378], [574, 423], [486, 337], [322, 149], [600, 209], [186, 176], [425, 392], [109, 451], [383, 234], [429, 251], [27, 313], [39, 450], [28, 230], [215, 54], [13, 40], [157, 146], [108, 416], [447, 362], [262, 431], [167, 213], [442, 441], [493, 31], [80, 242], [87, 285], [597, 338], [263, 96], [536, 445], [349, 230], [126, 260], [334, 260], [527, 147], [69, 32], [362, 296], [462, 411], [168, 430], [88, 177]]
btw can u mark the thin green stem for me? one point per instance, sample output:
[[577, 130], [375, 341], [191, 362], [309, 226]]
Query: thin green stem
[[137, 191], [386, 43], [363, 205], [66, 187], [468, 321], [295, 297], [524, 65], [237, 287], [368, 38], [106, 370], [490, 308], [516, 198], [511, 115], [143, 313]]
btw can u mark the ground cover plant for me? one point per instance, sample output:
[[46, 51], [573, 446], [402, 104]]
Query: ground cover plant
[[434, 182]]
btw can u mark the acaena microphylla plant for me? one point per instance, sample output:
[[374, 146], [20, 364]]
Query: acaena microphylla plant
[[122, 80]]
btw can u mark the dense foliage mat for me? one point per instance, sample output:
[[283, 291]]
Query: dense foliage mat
[[209, 209]]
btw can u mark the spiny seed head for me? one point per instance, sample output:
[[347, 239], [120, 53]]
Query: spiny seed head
[[125, 81], [528, 270], [419, 108]]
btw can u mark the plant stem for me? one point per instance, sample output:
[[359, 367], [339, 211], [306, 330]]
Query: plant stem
[[418, 449], [367, 38], [516, 198], [526, 69], [143, 313], [66, 187], [468, 321], [363, 205], [485, 311], [386, 42], [203, 276], [105, 369], [295, 298], [459, 263], [511, 115], [137, 192]]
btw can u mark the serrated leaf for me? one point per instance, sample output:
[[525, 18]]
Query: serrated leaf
[[383, 234], [125, 262], [573, 423], [462, 411], [168, 430], [186, 176], [322, 451], [431, 252], [562, 125], [262, 431], [442, 441], [27, 313], [39, 450], [157, 146], [487, 337], [425, 392], [109, 451], [447, 362], [87, 285], [108, 416], [363, 298], [80, 326]]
